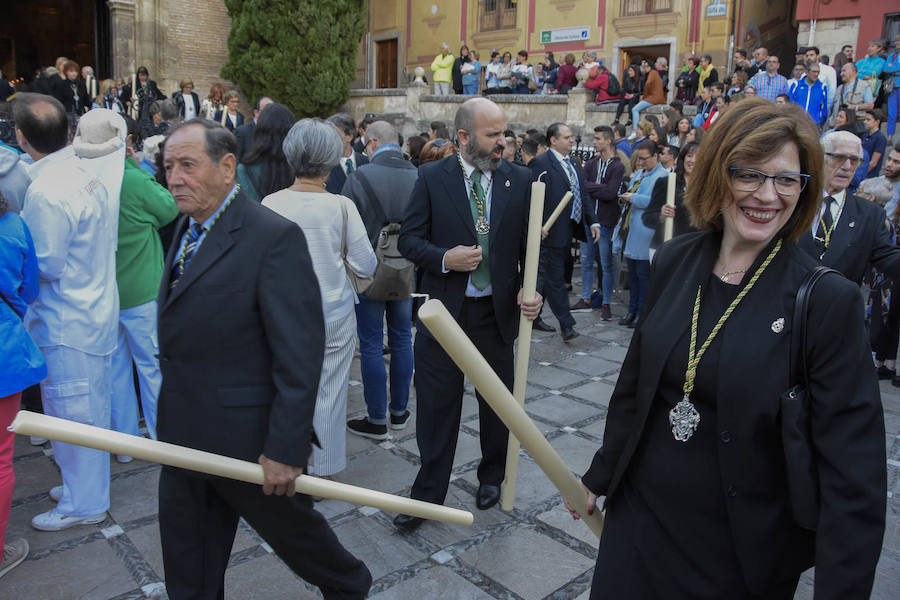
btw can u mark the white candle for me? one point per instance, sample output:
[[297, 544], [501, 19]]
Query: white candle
[[556, 212], [670, 201], [532, 252], [53, 428], [451, 337]]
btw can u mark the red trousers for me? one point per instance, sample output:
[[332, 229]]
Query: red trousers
[[9, 407]]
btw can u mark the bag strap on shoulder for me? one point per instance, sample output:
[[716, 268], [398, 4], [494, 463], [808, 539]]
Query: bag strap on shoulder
[[798, 326], [375, 200]]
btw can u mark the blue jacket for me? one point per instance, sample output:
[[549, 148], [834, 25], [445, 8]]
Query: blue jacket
[[23, 364], [812, 98], [637, 246]]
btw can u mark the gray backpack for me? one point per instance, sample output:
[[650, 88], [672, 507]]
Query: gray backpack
[[395, 275]]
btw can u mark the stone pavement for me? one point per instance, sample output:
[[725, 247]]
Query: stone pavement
[[534, 552]]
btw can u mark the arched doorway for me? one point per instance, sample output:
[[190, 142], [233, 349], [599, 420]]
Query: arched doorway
[[33, 33]]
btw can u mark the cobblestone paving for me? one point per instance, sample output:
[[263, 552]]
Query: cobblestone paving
[[534, 552]]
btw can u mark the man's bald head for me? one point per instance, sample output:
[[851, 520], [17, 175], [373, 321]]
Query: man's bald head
[[41, 124], [470, 109]]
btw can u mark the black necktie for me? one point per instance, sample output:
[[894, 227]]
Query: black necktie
[[826, 226]]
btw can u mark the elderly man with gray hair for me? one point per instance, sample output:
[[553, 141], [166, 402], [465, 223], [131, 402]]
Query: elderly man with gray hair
[[850, 232], [239, 379], [337, 236], [442, 66]]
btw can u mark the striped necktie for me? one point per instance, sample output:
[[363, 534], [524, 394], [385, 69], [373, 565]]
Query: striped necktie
[[576, 190], [191, 237]]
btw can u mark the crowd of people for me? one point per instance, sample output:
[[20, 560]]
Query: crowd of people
[[310, 237]]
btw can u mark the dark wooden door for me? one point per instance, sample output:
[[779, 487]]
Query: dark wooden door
[[386, 63]]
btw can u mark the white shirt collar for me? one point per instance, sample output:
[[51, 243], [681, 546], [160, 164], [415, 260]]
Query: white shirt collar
[[838, 198], [558, 156]]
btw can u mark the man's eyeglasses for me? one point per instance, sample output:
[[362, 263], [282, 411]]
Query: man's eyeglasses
[[839, 159], [639, 158], [750, 180]]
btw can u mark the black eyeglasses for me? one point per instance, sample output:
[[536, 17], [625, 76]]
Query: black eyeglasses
[[750, 180], [840, 159]]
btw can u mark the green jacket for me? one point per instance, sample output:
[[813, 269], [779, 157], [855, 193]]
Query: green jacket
[[144, 206], [442, 65]]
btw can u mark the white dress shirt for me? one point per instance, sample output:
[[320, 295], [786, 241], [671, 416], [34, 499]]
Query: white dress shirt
[[320, 217], [73, 227], [189, 112]]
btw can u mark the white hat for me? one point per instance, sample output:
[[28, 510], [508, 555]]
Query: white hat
[[100, 132]]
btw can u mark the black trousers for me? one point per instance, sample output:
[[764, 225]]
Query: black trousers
[[439, 391], [198, 518], [551, 283]]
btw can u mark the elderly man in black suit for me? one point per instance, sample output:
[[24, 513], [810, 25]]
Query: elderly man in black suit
[[240, 380], [850, 233], [465, 228], [351, 159], [580, 221]]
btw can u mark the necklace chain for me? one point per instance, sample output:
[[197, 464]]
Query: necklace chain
[[694, 358], [181, 259], [479, 202]]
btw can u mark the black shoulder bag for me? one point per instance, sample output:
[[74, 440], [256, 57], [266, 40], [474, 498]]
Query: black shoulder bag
[[799, 454]]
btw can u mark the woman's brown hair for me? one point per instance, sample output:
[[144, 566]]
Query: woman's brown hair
[[216, 89], [752, 131], [436, 150]]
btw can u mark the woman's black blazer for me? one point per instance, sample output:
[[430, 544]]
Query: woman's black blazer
[[847, 422]]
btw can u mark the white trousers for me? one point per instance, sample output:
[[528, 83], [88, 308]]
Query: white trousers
[[137, 343], [442, 88], [330, 418], [77, 388]]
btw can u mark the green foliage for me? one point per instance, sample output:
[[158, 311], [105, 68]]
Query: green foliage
[[301, 53]]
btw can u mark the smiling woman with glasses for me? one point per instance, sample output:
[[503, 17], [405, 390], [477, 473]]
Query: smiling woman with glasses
[[693, 465]]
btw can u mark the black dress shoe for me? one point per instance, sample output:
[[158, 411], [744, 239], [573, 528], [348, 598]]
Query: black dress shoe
[[568, 333], [487, 496], [407, 522], [540, 325], [627, 319], [895, 381], [885, 373]]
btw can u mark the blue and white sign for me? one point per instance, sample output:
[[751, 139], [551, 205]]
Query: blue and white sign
[[716, 8], [569, 34]]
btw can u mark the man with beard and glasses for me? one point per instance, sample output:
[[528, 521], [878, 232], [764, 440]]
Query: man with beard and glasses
[[465, 228]]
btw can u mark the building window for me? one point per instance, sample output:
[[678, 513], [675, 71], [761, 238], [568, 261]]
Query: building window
[[497, 14], [633, 8]]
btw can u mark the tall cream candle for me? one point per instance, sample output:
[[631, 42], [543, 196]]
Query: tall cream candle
[[53, 428], [529, 285], [134, 97], [556, 212], [670, 201], [451, 337]]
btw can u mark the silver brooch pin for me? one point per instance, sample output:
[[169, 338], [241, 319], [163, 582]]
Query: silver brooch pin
[[778, 325], [851, 224], [507, 185]]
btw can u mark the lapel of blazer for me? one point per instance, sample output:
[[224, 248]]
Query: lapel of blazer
[[844, 232], [499, 197], [560, 171], [177, 235], [455, 186], [217, 242]]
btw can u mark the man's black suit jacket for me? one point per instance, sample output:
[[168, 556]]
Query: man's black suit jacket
[[860, 238], [337, 178], [439, 218], [244, 135], [846, 426], [241, 339], [557, 181]]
